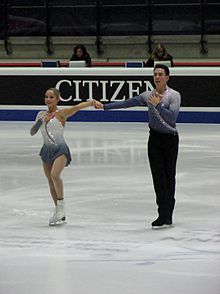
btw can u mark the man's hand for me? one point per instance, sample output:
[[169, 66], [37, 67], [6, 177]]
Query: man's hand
[[155, 99]]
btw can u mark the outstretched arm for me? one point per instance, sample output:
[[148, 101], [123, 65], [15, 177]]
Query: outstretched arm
[[67, 112], [132, 102]]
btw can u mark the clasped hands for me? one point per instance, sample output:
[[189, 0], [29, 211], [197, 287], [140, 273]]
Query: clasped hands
[[97, 104]]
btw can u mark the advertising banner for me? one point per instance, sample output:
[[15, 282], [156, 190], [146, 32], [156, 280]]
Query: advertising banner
[[196, 91]]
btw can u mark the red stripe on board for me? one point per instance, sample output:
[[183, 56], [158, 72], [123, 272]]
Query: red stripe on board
[[101, 64]]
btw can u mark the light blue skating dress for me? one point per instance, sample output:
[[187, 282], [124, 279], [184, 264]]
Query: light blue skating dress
[[54, 143]]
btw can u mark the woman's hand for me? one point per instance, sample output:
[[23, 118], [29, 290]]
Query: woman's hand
[[48, 116]]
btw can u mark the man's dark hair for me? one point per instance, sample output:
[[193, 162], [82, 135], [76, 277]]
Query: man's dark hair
[[163, 66]]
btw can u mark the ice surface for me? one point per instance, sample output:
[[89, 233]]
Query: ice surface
[[108, 246]]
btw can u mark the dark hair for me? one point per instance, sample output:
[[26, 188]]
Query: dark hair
[[80, 46], [164, 67]]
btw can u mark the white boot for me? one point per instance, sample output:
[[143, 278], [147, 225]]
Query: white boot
[[59, 214], [61, 210], [53, 218]]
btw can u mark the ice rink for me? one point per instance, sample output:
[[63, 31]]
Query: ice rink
[[107, 245]]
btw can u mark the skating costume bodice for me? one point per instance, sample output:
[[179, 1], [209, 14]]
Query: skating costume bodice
[[54, 143], [52, 132]]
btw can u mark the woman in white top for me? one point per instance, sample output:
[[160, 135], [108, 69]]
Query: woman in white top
[[55, 153]]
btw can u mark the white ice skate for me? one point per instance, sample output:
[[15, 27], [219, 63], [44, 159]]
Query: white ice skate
[[58, 218]]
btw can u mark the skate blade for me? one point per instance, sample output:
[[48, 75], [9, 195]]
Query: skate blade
[[162, 227], [58, 223]]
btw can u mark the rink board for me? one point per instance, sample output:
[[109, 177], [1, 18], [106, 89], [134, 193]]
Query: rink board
[[22, 92], [188, 116]]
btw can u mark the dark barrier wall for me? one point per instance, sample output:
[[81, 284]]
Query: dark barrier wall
[[199, 87], [108, 17], [22, 92]]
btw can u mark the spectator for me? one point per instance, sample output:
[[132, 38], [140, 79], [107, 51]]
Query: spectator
[[80, 53], [159, 54]]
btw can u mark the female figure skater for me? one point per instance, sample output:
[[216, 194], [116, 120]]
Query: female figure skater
[[55, 153]]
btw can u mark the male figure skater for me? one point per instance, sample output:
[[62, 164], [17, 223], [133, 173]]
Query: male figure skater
[[163, 107]]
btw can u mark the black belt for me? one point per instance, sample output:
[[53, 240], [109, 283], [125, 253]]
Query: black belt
[[152, 131]]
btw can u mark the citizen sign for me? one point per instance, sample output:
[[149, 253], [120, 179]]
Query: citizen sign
[[196, 91], [106, 90]]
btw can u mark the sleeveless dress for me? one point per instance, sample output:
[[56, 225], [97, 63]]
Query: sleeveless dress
[[54, 144]]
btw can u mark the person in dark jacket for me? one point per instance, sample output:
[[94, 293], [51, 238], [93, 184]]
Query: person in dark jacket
[[80, 53], [159, 54]]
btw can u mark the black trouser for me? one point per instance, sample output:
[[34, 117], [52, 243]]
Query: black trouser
[[162, 153]]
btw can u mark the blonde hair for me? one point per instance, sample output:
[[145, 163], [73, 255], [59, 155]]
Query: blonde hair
[[157, 48], [56, 92]]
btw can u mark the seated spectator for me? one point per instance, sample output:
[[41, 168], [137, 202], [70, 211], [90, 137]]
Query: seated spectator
[[80, 53], [159, 54]]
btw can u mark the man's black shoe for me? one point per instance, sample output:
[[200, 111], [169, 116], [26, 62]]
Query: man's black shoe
[[161, 223]]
